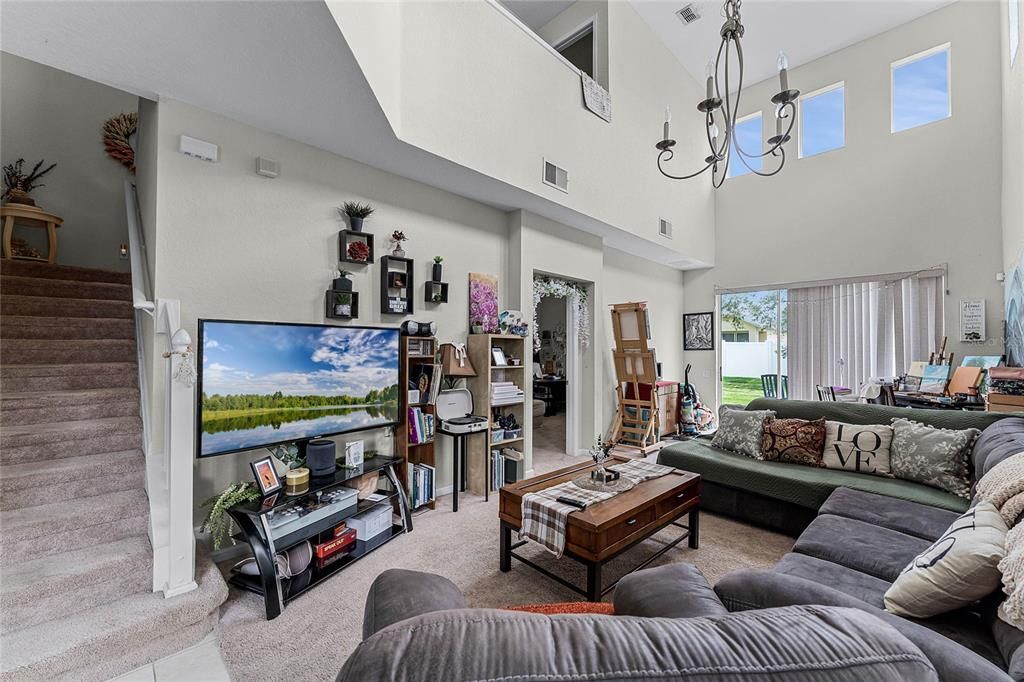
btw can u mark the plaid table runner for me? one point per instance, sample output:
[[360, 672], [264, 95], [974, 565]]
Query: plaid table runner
[[545, 518]]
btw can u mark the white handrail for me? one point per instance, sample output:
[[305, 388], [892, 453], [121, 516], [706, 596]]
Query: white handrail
[[141, 285]]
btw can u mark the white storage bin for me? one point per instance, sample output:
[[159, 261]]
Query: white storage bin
[[371, 522]]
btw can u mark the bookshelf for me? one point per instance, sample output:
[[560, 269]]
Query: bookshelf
[[481, 386], [416, 354]]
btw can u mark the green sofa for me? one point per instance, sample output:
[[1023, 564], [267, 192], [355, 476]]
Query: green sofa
[[786, 497]]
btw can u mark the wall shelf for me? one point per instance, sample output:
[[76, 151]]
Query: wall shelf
[[347, 237], [396, 285], [432, 289], [335, 303]]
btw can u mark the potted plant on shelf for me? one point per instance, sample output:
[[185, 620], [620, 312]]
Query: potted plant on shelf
[[218, 523], [343, 303], [358, 251], [398, 237], [18, 184], [476, 326], [341, 281], [437, 268], [356, 214]]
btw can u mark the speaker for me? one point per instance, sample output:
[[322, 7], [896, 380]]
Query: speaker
[[320, 457], [413, 328]]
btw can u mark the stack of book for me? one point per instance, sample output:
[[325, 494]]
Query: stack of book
[[505, 393], [421, 485], [421, 426], [1006, 389], [506, 467]]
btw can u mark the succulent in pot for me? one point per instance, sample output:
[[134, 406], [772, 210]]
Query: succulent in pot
[[356, 214], [358, 251]]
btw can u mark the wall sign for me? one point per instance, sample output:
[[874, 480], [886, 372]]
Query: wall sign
[[972, 319]]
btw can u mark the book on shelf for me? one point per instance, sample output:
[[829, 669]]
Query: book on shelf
[[506, 467], [421, 485], [506, 393], [427, 380], [421, 426]]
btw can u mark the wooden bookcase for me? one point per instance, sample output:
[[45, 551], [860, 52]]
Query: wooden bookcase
[[480, 346], [420, 453]]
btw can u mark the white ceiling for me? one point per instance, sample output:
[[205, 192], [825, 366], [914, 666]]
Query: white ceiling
[[804, 29], [536, 13]]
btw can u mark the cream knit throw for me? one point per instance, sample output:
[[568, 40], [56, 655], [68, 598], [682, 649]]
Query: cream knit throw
[[1012, 568], [1003, 486]]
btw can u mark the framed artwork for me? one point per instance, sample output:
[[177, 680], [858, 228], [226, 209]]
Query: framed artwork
[[698, 331], [935, 379], [265, 475], [498, 357], [1014, 315], [972, 319], [483, 302]]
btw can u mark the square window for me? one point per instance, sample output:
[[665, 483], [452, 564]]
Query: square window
[[1013, 8], [749, 134], [822, 120], [920, 89]]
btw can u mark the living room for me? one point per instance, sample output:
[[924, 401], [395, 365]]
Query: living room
[[332, 209]]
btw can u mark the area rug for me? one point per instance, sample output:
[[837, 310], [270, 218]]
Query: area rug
[[317, 632]]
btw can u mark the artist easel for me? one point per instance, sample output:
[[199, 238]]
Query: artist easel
[[636, 377]]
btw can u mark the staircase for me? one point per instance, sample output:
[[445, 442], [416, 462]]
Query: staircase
[[76, 599]]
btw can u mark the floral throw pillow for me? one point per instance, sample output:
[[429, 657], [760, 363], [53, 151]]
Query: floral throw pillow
[[863, 448], [797, 441], [934, 457], [740, 431]]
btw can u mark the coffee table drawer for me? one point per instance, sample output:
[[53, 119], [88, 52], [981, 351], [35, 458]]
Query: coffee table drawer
[[629, 525], [677, 500]]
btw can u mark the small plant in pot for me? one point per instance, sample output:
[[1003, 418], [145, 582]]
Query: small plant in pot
[[436, 273], [356, 214], [18, 184], [476, 326], [341, 281]]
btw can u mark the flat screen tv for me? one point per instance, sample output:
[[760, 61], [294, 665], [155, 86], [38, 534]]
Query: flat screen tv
[[266, 383]]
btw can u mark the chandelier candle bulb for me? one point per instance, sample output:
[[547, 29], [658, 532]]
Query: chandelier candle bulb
[[783, 72], [668, 119], [709, 74]]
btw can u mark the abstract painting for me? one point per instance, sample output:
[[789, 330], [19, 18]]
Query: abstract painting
[[483, 302], [1015, 315], [698, 331]]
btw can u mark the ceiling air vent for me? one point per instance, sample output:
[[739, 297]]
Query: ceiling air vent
[[556, 177], [665, 228], [688, 14]]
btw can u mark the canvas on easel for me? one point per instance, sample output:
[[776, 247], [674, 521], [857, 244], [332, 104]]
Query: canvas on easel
[[636, 375]]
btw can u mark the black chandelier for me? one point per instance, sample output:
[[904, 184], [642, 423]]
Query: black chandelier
[[712, 107]]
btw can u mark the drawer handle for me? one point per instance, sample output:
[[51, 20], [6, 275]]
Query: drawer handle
[[631, 522], [680, 496]]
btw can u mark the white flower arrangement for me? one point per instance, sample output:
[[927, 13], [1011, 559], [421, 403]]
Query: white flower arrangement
[[544, 287]]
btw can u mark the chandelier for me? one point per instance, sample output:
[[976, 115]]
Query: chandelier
[[718, 106]]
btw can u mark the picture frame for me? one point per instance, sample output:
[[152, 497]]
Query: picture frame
[[266, 476], [498, 357], [699, 331], [935, 379], [353, 454], [972, 320]]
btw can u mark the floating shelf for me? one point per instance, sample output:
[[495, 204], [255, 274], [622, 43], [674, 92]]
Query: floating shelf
[[341, 305], [432, 289], [348, 237], [396, 285]]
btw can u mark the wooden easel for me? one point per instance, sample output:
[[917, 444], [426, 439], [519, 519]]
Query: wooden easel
[[636, 371]]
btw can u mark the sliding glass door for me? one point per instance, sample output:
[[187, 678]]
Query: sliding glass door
[[754, 342]]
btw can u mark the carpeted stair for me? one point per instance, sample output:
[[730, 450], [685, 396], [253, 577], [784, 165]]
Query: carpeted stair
[[76, 599]]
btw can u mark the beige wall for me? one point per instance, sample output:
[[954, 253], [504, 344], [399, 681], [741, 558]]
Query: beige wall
[[1013, 143], [886, 202], [50, 114]]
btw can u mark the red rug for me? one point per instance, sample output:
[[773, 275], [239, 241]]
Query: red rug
[[601, 608]]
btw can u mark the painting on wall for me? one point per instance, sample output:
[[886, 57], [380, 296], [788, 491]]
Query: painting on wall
[[698, 331], [483, 303], [1014, 340]]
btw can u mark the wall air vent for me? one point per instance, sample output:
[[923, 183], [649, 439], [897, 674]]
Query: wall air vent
[[688, 14], [665, 228], [556, 177]]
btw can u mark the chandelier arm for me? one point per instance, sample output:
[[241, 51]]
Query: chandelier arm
[[778, 145], [782, 163], [666, 154]]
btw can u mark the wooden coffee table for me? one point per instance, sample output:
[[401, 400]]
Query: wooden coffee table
[[605, 530]]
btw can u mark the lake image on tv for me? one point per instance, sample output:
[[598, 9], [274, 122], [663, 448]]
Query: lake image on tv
[[265, 383]]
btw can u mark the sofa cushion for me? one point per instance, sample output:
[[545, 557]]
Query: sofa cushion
[[934, 457], [740, 431], [865, 587], [1012, 570], [397, 594], [756, 589], [1010, 641], [960, 568], [804, 486], [863, 448], [1002, 439], [670, 591], [796, 441], [802, 643], [912, 518], [855, 413], [870, 549]]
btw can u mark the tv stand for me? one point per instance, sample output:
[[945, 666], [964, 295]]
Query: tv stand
[[253, 520]]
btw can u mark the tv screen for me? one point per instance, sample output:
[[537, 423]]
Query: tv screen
[[264, 383]]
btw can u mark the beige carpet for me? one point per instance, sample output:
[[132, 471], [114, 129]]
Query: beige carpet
[[314, 635]]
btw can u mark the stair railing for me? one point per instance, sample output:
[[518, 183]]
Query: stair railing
[[169, 467]]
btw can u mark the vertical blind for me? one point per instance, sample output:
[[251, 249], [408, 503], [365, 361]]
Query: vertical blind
[[845, 334]]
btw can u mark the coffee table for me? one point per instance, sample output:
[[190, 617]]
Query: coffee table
[[603, 531]]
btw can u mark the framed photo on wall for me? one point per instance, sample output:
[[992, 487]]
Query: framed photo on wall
[[698, 331]]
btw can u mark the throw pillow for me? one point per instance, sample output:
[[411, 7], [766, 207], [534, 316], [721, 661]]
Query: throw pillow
[[1003, 486], [1012, 568], [959, 569], [740, 431], [857, 447], [793, 440], [933, 457]]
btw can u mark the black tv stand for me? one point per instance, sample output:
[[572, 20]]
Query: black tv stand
[[252, 519]]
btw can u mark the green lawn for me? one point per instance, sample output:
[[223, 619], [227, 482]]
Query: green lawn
[[740, 390]]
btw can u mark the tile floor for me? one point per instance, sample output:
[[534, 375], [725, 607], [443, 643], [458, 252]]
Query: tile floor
[[199, 663]]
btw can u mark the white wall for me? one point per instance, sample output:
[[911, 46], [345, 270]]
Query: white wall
[[573, 19], [886, 202], [50, 114], [1013, 142]]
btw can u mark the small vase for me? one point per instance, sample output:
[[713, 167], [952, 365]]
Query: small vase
[[476, 329], [355, 223], [398, 251], [20, 196], [437, 272]]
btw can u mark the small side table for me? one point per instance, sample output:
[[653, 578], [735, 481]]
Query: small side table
[[30, 216]]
